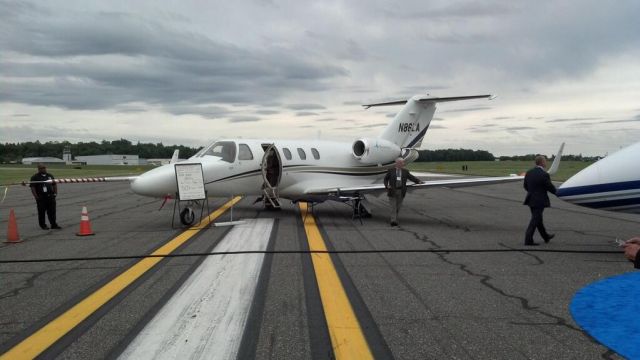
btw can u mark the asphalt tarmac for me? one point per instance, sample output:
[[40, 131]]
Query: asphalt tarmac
[[409, 305]]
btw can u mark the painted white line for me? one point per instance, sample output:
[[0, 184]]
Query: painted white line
[[206, 317]]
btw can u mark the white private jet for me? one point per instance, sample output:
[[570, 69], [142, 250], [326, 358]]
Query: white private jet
[[611, 184], [308, 170]]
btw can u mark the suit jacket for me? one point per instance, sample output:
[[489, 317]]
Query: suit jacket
[[390, 181], [537, 182]]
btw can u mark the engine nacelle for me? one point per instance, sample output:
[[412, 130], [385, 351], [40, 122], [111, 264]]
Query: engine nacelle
[[375, 151]]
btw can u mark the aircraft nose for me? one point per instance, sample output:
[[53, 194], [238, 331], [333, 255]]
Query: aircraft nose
[[158, 182]]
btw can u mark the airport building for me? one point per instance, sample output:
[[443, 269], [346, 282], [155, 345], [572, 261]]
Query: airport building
[[110, 159], [44, 160]]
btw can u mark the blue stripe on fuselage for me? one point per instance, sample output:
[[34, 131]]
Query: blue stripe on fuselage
[[611, 203], [599, 188]]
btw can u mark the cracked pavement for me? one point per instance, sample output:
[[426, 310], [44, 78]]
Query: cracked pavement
[[424, 305]]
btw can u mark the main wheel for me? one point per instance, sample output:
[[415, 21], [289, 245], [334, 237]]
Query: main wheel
[[187, 216]]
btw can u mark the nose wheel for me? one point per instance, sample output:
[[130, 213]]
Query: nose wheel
[[187, 216]]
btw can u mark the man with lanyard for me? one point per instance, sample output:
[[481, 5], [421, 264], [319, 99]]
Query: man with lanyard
[[395, 181], [45, 195]]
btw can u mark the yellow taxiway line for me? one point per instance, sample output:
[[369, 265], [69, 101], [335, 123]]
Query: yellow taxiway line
[[46, 336], [347, 338]]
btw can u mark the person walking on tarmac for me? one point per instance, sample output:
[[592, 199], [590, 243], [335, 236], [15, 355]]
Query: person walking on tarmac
[[537, 182], [45, 195], [395, 181]]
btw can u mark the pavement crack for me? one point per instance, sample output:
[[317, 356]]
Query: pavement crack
[[28, 283], [537, 258]]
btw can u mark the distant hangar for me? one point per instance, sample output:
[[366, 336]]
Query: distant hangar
[[110, 159]]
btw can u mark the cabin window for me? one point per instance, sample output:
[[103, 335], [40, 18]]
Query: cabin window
[[316, 154], [244, 152], [302, 154], [222, 149], [287, 153]]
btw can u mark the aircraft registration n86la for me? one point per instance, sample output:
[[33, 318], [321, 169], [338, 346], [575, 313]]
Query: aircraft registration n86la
[[311, 170]]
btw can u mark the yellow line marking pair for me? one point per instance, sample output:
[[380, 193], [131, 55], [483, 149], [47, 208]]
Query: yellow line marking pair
[[347, 338], [46, 336]]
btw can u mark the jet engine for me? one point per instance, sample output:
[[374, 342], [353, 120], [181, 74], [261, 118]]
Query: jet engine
[[375, 151]]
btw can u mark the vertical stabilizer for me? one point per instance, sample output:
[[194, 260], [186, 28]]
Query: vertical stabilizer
[[410, 125]]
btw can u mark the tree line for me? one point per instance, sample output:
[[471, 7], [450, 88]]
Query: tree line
[[14, 152], [455, 155]]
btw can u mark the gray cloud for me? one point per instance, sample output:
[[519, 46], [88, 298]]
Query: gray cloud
[[206, 111], [305, 107], [97, 60], [351, 103], [503, 118], [306, 113], [327, 119], [373, 125], [267, 112], [517, 128], [572, 119], [477, 108], [238, 119], [618, 121]]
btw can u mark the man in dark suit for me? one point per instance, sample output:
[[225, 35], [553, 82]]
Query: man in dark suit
[[537, 182], [395, 181]]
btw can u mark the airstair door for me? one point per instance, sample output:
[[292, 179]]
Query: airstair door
[[271, 174]]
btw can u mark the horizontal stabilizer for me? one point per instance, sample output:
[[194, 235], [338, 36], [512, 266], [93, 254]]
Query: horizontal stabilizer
[[432, 99]]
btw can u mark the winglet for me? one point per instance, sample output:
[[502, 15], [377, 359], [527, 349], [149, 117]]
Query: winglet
[[174, 158], [556, 162]]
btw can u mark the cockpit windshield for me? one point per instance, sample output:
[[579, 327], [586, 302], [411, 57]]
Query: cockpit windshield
[[223, 149]]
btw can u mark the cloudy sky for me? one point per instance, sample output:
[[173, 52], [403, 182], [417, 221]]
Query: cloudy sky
[[188, 72]]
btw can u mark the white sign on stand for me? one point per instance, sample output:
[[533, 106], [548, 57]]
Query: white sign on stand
[[190, 182]]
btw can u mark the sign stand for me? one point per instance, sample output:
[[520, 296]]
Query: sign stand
[[230, 222], [190, 181]]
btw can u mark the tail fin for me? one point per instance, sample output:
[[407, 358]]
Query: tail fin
[[410, 125]]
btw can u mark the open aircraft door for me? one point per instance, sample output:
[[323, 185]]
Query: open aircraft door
[[271, 166]]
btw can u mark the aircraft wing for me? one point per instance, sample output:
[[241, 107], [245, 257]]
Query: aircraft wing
[[448, 183]]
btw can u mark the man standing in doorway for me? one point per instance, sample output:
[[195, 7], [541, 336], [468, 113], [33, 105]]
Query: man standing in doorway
[[537, 183], [45, 195], [395, 181]]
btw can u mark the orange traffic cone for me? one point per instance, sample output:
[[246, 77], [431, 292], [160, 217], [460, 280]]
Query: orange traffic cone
[[85, 225], [12, 230]]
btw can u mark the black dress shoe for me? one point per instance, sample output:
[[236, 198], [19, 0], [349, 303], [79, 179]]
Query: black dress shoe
[[551, 236], [56, 227], [531, 244], [44, 227]]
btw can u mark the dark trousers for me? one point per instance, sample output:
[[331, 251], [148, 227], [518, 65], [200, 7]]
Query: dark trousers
[[396, 203], [46, 204], [535, 223]]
